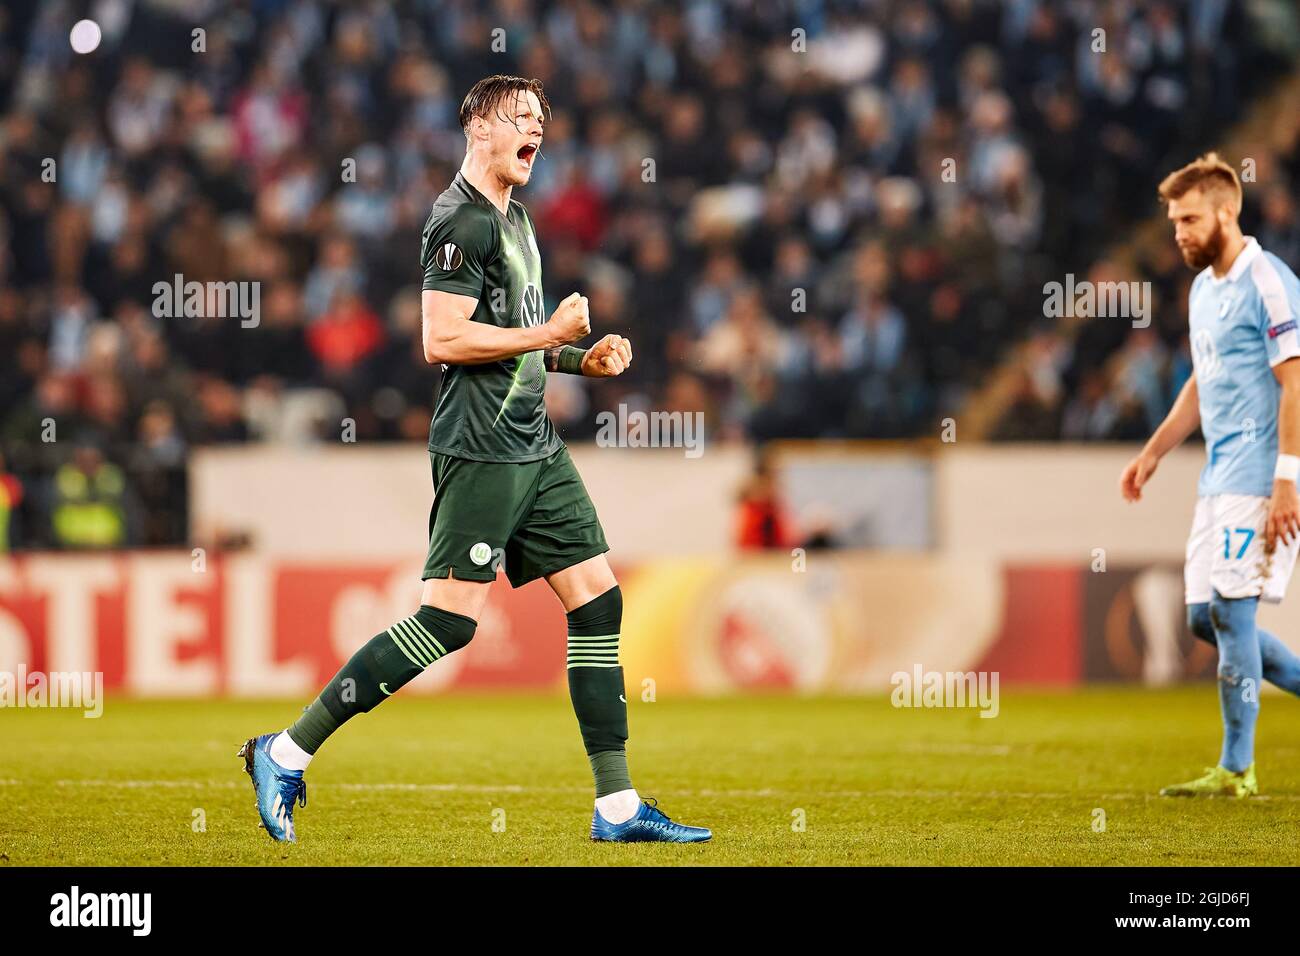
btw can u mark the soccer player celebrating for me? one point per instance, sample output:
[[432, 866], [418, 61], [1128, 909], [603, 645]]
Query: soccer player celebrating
[[1244, 393], [506, 490]]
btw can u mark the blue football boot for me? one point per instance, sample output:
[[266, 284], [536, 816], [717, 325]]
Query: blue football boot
[[275, 787], [650, 825]]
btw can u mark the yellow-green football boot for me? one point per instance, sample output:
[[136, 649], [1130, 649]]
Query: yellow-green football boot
[[1217, 782]]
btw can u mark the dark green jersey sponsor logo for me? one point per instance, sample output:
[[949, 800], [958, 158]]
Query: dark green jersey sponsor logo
[[530, 306]]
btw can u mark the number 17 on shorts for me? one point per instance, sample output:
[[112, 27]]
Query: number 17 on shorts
[[1225, 551]]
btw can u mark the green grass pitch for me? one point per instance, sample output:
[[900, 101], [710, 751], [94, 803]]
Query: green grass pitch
[[502, 780]]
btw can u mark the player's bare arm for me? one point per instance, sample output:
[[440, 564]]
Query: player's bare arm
[[453, 338], [1181, 421], [1284, 507]]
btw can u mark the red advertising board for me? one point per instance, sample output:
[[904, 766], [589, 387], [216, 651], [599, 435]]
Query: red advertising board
[[182, 624]]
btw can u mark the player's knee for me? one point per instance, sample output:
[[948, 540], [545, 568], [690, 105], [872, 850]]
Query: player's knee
[[395, 657], [447, 630], [1228, 614], [603, 612], [1199, 622]]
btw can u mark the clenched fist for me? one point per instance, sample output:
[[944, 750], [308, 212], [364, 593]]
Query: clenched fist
[[608, 357], [571, 321]]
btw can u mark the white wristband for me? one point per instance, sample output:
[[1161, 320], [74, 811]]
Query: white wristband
[[1288, 468]]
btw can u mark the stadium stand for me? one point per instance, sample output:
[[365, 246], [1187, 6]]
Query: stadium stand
[[786, 279]]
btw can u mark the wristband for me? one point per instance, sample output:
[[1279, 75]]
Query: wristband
[[569, 361], [1288, 468]]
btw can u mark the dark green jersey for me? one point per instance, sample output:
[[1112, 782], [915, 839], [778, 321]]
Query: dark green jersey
[[494, 411]]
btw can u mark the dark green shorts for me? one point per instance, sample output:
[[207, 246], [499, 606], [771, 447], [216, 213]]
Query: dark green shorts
[[530, 519]]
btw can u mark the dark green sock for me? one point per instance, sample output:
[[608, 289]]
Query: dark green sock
[[596, 688], [611, 773], [316, 723], [386, 662]]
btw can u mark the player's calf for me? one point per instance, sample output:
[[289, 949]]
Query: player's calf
[[597, 693], [386, 663], [1238, 692], [1240, 673], [600, 704]]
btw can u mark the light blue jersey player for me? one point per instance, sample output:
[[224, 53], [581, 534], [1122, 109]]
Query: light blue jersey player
[[1244, 394], [1243, 326]]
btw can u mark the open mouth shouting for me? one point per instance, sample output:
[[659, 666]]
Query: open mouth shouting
[[527, 153]]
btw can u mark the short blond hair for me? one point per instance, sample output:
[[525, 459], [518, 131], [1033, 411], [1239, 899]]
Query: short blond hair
[[1208, 173]]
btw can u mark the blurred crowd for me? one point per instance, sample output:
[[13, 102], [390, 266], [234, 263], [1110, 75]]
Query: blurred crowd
[[813, 218], [1115, 382]]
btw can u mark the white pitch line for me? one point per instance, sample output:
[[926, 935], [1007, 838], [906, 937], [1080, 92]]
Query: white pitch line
[[708, 792]]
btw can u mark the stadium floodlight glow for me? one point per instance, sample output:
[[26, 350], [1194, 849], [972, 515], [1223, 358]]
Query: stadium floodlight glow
[[85, 36]]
